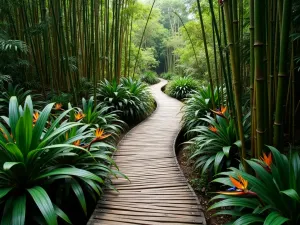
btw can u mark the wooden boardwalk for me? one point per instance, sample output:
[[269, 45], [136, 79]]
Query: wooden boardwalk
[[158, 192]]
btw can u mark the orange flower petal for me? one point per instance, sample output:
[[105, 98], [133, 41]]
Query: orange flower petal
[[213, 129], [58, 106], [244, 182], [223, 109], [236, 183], [76, 143]]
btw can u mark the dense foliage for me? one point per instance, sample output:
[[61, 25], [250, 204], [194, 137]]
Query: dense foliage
[[38, 152], [270, 196], [181, 87], [215, 146], [131, 98], [149, 77], [196, 107]]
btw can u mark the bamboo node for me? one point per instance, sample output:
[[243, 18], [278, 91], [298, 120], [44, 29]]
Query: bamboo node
[[258, 44], [261, 131], [282, 75]]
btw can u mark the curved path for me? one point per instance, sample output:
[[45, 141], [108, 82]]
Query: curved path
[[158, 192]]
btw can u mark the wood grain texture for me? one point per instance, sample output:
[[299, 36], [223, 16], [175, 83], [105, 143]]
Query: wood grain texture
[[157, 192]]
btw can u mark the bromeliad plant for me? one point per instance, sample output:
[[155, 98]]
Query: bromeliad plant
[[32, 150], [215, 145], [196, 107], [271, 196], [149, 77], [101, 116], [141, 97], [181, 87], [131, 98]]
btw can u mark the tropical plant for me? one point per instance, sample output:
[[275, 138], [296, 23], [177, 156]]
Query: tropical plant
[[150, 77], [63, 98], [10, 61], [167, 76], [101, 116], [215, 146], [32, 154], [131, 98], [181, 87], [271, 196], [20, 93], [197, 106]]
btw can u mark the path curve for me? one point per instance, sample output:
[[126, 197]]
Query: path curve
[[158, 192]]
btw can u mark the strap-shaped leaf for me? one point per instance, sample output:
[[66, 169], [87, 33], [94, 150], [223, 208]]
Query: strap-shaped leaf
[[9, 165], [24, 132], [7, 212], [248, 219], [226, 150], [62, 214], [40, 125], [43, 202], [4, 192], [13, 114], [15, 152], [274, 218], [19, 210], [74, 172], [292, 194], [218, 160], [79, 194]]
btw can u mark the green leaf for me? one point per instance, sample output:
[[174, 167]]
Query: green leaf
[[19, 210], [40, 125], [218, 159], [292, 194], [7, 212], [80, 195], [13, 114], [15, 151], [226, 150], [9, 165], [238, 144], [61, 214], [4, 191], [74, 172], [274, 218], [43, 202], [243, 202], [248, 219]]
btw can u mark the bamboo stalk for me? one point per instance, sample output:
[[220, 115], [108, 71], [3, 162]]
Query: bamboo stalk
[[282, 75], [236, 83], [206, 54]]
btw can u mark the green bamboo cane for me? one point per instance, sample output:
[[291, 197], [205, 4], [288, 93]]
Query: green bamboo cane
[[236, 83], [282, 75], [206, 54], [252, 69], [216, 66], [259, 31], [227, 82]]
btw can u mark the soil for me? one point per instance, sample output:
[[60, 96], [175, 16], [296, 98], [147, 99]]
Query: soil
[[201, 188]]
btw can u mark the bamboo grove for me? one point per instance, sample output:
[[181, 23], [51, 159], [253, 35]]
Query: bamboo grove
[[70, 40], [256, 43]]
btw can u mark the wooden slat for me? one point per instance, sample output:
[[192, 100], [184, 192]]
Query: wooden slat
[[157, 192]]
